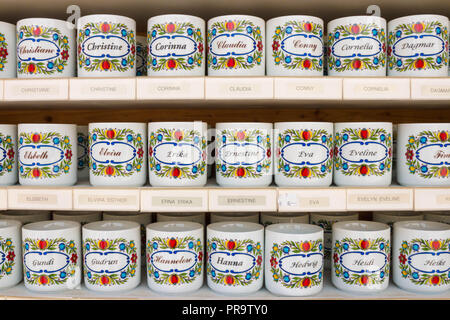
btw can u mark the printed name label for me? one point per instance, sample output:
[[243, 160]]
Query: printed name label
[[177, 201], [427, 45], [241, 153], [235, 262], [105, 46], [363, 152], [363, 261], [240, 200], [45, 262], [359, 46], [303, 45], [172, 153], [40, 155], [232, 44], [302, 264], [173, 261], [37, 50], [172, 46], [115, 152], [305, 153], [430, 262], [106, 262], [434, 154]]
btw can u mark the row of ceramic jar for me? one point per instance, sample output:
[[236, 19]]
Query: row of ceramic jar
[[238, 254], [246, 154], [237, 45]]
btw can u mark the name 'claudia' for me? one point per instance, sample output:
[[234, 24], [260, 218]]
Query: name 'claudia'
[[228, 45]]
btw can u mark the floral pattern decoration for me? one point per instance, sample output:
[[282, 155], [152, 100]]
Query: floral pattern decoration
[[7, 144], [8, 256]]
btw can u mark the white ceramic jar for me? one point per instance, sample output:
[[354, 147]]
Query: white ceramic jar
[[421, 258], [111, 255], [25, 216], [234, 216], [361, 256], [418, 46], [357, 46], [177, 154], [11, 272], [8, 56], [234, 263], [304, 154], [117, 154], [106, 46], [176, 45], [181, 216], [294, 46], [236, 46], [423, 154], [83, 152], [268, 218], [175, 256], [390, 218], [45, 48], [51, 255], [244, 154], [8, 152], [294, 256], [82, 217], [443, 217], [326, 221], [47, 154], [363, 154], [141, 55]]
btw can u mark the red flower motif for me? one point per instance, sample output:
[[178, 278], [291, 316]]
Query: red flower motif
[[278, 152], [409, 154], [269, 153], [275, 46], [3, 52], [389, 51], [336, 151], [10, 153], [79, 48], [259, 260], [74, 258], [390, 152], [150, 151], [203, 155], [133, 258], [273, 262], [335, 258], [329, 51], [200, 256], [133, 49], [148, 258], [200, 47], [11, 255], [65, 54], [402, 258], [69, 154], [260, 45], [140, 153]]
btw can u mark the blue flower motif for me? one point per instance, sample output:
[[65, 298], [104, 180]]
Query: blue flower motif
[[424, 169], [156, 274], [381, 166], [345, 166], [249, 248], [398, 34], [62, 275], [192, 273], [324, 138], [439, 60], [214, 245], [19, 64], [338, 63], [287, 168], [345, 137], [346, 275], [399, 62], [55, 37], [88, 247], [123, 275], [191, 245], [286, 249], [94, 166], [155, 245], [213, 273], [249, 29], [189, 31], [194, 169], [154, 62], [382, 274], [94, 137], [214, 60], [415, 275], [87, 32], [21, 140], [28, 274], [122, 246], [21, 35], [129, 137], [159, 137], [382, 246], [320, 33], [89, 275], [258, 168], [62, 246], [249, 59], [158, 167], [345, 246], [320, 247], [214, 31], [248, 276], [50, 65], [21, 169], [382, 137], [288, 59], [224, 168], [438, 30], [287, 138], [375, 61], [129, 167], [27, 246], [124, 33], [289, 30], [88, 62], [415, 247], [323, 168], [56, 169], [286, 279], [423, 139], [374, 32], [336, 35], [196, 139], [320, 62], [124, 62], [224, 139], [154, 33], [190, 60]]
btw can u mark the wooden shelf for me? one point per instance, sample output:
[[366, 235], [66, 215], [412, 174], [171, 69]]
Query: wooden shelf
[[213, 198]]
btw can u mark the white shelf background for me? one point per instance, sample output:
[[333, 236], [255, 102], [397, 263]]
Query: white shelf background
[[213, 198], [142, 292], [151, 91]]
